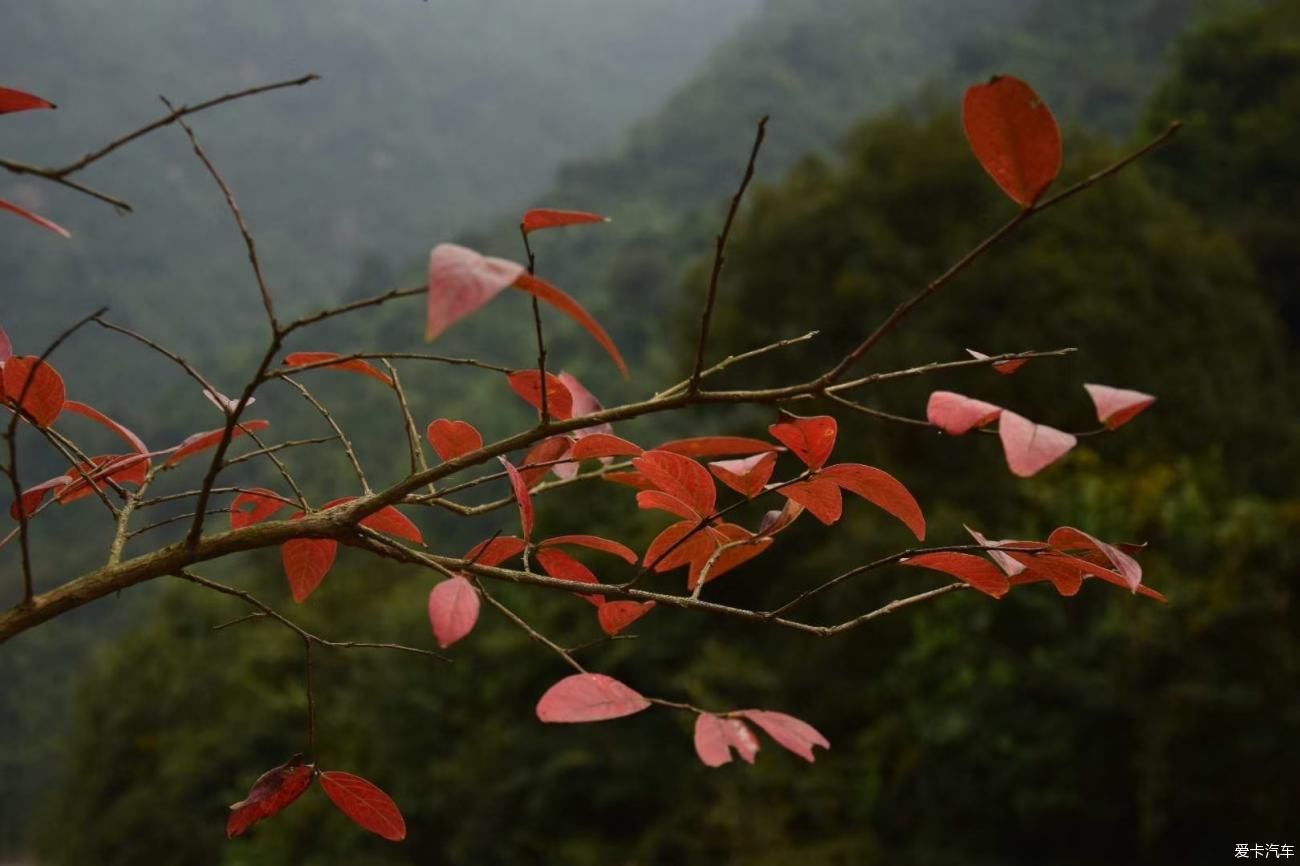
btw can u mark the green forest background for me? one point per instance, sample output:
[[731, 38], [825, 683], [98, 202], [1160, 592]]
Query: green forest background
[[1037, 729]]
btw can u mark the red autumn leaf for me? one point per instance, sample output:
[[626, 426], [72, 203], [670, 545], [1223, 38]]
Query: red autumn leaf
[[270, 795], [520, 488], [822, 498], [657, 499], [630, 479], [306, 562], [957, 415], [559, 299], [99, 417], [615, 616], [203, 441], [460, 282], [717, 446], [452, 439], [588, 698], [495, 551], [603, 445], [1068, 539], [550, 218], [880, 489], [584, 403], [31, 498], [811, 439], [38, 386], [561, 566], [1010, 567], [747, 475], [668, 550], [453, 610], [1063, 573], [974, 570], [387, 520], [793, 734], [36, 218], [1006, 368], [594, 542], [541, 459], [119, 469], [1117, 406], [254, 506], [356, 365], [733, 546], [527, 384], [1014, 136], [6, 351], [365, 804], [680, 477], [16, 100], [1030, 447], [715, 737]]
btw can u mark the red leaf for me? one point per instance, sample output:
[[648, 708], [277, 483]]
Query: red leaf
[[880, 489], [38, 385], [1009, 565], [1030, 447], [365, 804], [356, 365], [794, 734], [16, 100], [1006, 368], [460, 282], [1061, 571], [99, 417], [31, 498], [36, 218], [306, 562], [820, 497], [452, 439], [1117, 406], [540, 460], [1067, 538], [203, 441], [571, 308], [615, 616], [775, 521], [811, 439], [957, 415], [681, 477], [120, 469], [453, 610], [630, 479], [603, 445], [717, 446], [1014, 136], [390, 521], [270, 795], [548, 218], [747, 476], [668, 551], [254, 506], [974, 570], [741, 546], [588, 698], [715, 737], [495, 551], [520, 488], [594, 542], [657, 499], [561, 566], [527, 384]]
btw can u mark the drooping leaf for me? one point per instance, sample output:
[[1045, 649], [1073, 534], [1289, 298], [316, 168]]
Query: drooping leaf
[[355, 365], [604, 445], [1006, 368], [716, 736], [203, 441], [100, 418], [880, 489], [589, 698], [790, 733], [615, 616], [680, 477], [525, 502], [1065, 575], [452, 439], [365, 804], [31, 498], [306, 562], [550, 218], [557, 298], [811, 439], [17, 100], [1117, 406], [497, 550], [453, 610], [974, 570], [957, 415], [594, 542], [527, 384], [1014, 136], [1077, 542], [37, 385], [717, 446], [821, 498], [389, 521], [254, 506], [747, 475], [270, 795], [562, 566], [36, 218], [1029, 447], [460, 282]]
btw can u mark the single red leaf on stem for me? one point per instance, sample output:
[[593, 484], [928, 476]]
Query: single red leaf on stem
[[821, 498], [36, 218], [527, 384], [741, 546], [974, 570], [270, 795], [254, 506], [957, 415], [1006, 368], [594, 542], [551, 218], [38, 385], [452, 439], [365, 804], [559, 299], [562, 566], [1014, 136], [717, 446], [680, 477], [520, 488], [203, 441], [793, 734], [17, 100], [306, 562], [668, 550], [589, 698], [615, 616], [747, 475], [604, 445], [355, 365], [387, 520], [880, 489], [716, 736], [453, 610], [495, 551], [811, 439], [100, 418], [1029, 447], [1117, 406]]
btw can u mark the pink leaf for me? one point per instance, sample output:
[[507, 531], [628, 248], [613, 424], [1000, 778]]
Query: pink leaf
[[452, 439], [747, 475], [1117, 406], [1031, 447], [811, 439], [460, 282], [974, 570], [1010, 567], [615, 616], [36, 218], [355, 365], [794, 734], [880, 489], [957, 415], [365, 804], [270, 795], [520, 488], [715, 737], [453, 610], [589, 698], [549, 218]]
